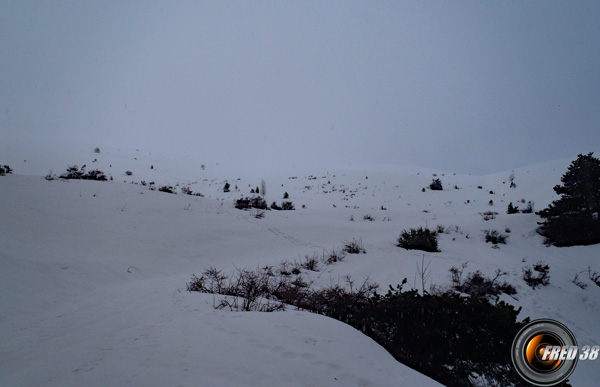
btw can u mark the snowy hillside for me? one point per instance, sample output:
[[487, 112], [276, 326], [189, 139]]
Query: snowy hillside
[[93, 274]]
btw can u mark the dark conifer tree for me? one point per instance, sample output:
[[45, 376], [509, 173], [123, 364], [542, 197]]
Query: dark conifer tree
[[512, 209], [573, 219]]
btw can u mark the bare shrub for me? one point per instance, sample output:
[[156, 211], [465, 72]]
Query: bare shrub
[[287, 206], [354, 246], [311, 263], [541, 277], [488, 215], [333, 256], [528, 209], [578, 282], [167, 189], [475, 283], [494, 237], [594, 276]]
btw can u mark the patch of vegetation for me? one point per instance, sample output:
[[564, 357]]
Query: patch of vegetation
[[488, 215], [476, 284], [418, 330], [167, 189], [582, 285], [354, 246], [421, 330], [436, 185], [528, 209], [512, 209], [494, 237], [573, 219], [594, 276], [287, 206], [188, 191], [539, 275], [418, 239], [253, 202], [73, 172], [5, 170], [333, 256]]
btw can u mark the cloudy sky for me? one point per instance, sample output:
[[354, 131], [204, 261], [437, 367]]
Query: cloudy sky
[[465, 86]]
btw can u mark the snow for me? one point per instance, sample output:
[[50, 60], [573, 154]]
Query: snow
[[93, 274]]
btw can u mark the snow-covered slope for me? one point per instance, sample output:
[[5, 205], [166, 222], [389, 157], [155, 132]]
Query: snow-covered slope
[[93, 274]]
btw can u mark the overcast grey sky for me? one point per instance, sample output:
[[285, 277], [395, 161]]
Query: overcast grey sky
[[465, 86]]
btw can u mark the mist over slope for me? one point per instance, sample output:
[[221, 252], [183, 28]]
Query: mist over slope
[[93, 274]]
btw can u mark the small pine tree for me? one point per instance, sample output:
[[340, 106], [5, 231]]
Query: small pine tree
[[436, 185], [574, 218], [512, 209], [226, 187], [286, 195]]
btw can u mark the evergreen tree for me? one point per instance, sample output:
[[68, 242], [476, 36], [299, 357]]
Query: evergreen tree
[[573, 219], [436, 185], [226, 187], [512, 209]]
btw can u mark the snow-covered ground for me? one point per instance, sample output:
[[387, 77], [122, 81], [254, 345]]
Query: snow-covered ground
[[93, 274]]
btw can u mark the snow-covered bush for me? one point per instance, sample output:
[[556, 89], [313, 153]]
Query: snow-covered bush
[[73, 172], [494, 236], [287, 206], [167, 189], [5, 170], [418, 239], [254, 202], [421, 330]]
